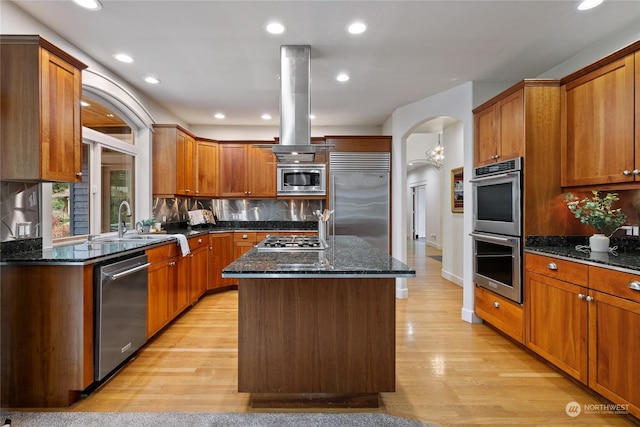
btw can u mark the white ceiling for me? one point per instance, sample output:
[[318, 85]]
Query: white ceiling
[[215, 56]]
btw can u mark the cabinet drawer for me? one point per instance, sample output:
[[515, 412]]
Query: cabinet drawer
[[240, 236], [505, 315], [615, 283], [198, 242], [567, 271], [161, 252]]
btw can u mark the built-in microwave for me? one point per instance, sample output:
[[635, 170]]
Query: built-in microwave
[[497, 202], [302, 179]]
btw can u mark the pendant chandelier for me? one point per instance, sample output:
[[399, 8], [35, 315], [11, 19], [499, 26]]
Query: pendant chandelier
[[435, 156]]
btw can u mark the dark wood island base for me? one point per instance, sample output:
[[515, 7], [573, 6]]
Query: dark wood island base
[[316, 342]]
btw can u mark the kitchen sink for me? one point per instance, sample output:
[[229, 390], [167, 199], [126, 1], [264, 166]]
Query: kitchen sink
[[137, 238]]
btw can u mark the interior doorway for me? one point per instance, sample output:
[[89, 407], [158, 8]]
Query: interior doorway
[[419, 212]]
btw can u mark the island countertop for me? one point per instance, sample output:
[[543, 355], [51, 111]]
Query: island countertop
[[346, 256]]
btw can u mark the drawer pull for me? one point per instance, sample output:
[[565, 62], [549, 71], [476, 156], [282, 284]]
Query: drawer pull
[[244, 236], [199, 240], [634, 285], [552, 266], [580, 296], [496, 304]]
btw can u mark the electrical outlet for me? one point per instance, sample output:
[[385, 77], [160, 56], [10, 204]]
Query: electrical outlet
[[636, 230], [628, 229], [23, 229], [164, 218]]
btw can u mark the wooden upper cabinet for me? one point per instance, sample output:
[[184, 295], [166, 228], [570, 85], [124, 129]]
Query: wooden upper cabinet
[[499, 129], [365, 143], [261, 173], [246, 171], [41, 132], [173, 161], [597, 138], [206, 168]]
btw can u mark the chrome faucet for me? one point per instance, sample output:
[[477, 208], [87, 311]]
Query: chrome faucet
[[121, 228]]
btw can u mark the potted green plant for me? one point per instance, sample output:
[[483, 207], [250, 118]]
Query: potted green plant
[[147, 224], [597, 212]]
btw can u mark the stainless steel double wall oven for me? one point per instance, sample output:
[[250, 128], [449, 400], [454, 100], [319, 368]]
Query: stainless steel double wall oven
[[497, 228]]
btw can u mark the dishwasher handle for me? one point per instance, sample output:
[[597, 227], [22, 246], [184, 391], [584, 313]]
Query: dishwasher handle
[[128, 272]]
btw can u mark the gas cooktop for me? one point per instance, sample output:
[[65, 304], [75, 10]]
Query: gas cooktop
[[291, 244]]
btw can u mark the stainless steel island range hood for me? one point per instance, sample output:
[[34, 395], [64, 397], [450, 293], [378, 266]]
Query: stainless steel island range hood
[[295, 124]]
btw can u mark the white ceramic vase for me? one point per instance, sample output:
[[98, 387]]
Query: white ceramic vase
[[599, 243]]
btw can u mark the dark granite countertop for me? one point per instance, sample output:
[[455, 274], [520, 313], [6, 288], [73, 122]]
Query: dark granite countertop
[[626, 256], [347, 256], [96, 251]]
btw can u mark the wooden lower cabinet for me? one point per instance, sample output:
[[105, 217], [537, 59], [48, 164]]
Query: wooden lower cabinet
[[46, 335], [588, 329], [220, 255], [164, 289], [614, 337], [500, 312]]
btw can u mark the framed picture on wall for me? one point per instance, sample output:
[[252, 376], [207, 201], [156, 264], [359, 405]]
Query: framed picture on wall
[[457, 193]]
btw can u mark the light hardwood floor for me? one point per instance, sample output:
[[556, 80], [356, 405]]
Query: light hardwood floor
[[449, 372]]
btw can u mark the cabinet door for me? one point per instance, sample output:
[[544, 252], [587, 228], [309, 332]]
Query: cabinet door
[[556, 326], [511, 135], [220, 255], [185, 154], [597, 139], [60, 131], [198, 273], [232, 166], [261, 172], [486, 136], [614, 346], [206, 169], [157, 296], [179, 291]]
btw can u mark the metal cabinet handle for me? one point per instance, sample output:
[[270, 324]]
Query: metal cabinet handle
[[626, 172], [496, 304], [580, 296], [172, 264], [79, 174], [636, 172], [244, 236], [589, 298], [634, 285], [552, 266], [199, 240]]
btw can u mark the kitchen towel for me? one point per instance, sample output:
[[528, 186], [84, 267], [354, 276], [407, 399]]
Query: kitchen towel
[[184, 244]]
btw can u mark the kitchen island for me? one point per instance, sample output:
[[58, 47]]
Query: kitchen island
[[317, 328]]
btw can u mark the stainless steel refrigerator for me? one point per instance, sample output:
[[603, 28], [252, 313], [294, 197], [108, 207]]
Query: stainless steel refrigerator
[[359, 196]]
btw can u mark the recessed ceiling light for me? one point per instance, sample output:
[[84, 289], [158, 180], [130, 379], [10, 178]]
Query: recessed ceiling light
[[266, 117], [151, 80], [589, 4], [357, 28], [89, 4], [85, 104], [219, 116], [275, 28], [123, 57], [342, 77]]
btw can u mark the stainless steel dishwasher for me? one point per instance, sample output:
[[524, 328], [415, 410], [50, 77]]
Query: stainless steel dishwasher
[[120, 312]]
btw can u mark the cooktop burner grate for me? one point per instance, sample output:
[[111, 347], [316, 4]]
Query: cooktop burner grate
[[291, 243]]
